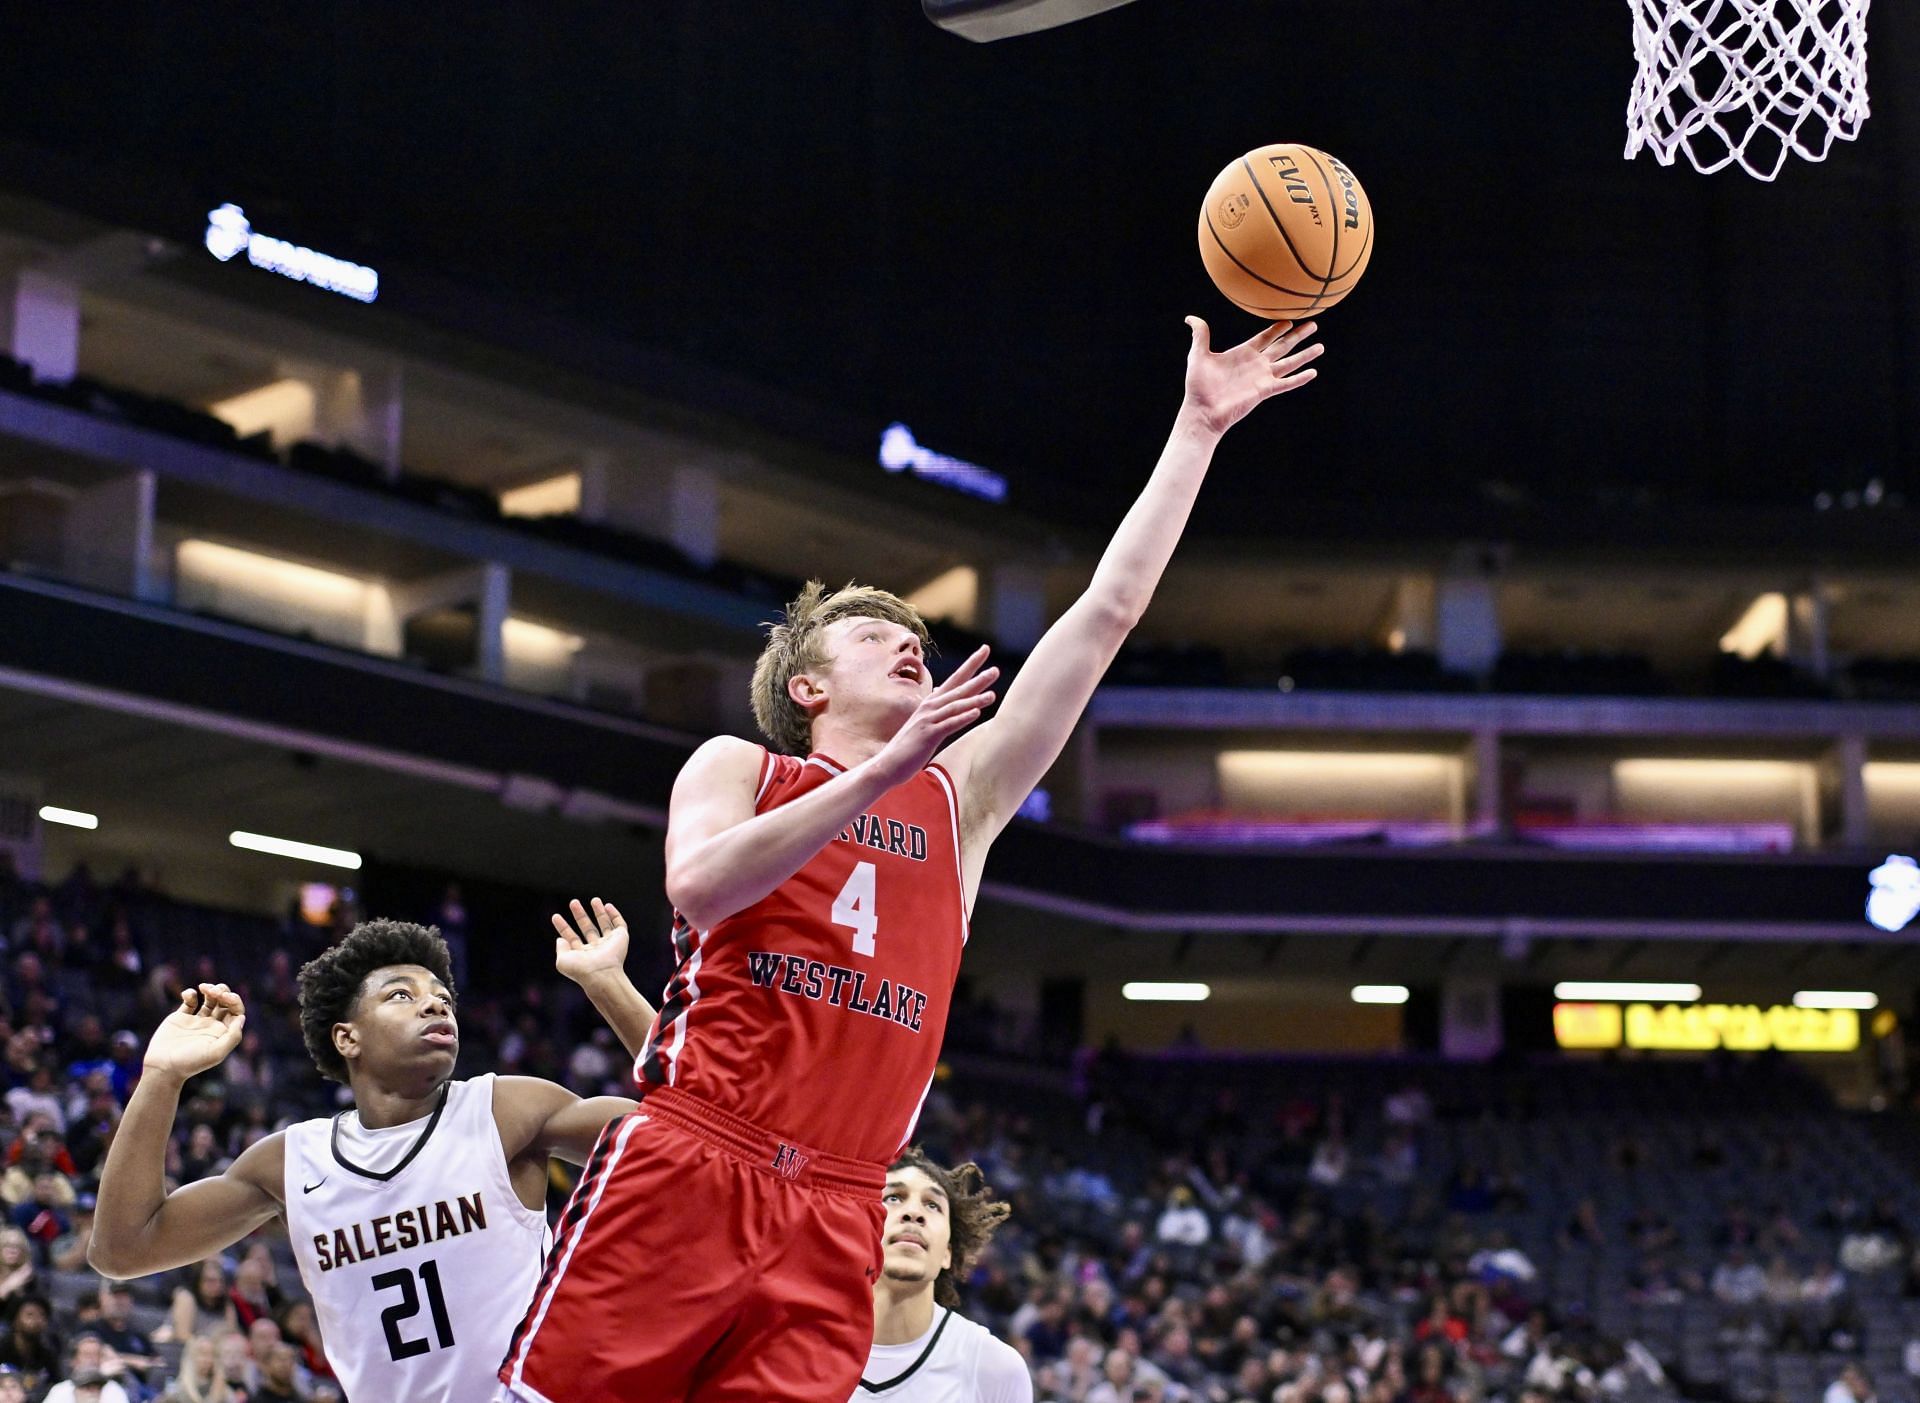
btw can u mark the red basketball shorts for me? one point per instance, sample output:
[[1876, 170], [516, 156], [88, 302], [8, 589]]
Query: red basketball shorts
[[703, 1260]]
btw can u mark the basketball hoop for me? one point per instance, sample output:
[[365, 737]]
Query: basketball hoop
[[1747, 80]]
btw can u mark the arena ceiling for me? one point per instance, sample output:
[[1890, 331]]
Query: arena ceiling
[[996, 243]]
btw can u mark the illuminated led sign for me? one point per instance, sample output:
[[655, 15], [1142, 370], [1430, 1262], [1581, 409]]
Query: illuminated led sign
[[1586, 1026], [230, 233], [899, 453], [1706, 1027], [1895, 899]]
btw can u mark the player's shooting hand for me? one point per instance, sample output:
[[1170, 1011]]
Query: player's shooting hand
[[590, 946], [199, 1034], [1224, 386], [942, 714]]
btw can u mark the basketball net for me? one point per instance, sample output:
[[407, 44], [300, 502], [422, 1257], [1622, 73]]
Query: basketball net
[[1746, 81]]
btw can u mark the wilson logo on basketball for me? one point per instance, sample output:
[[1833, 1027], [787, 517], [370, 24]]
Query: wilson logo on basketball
[[1233, 210], [1349, 193]]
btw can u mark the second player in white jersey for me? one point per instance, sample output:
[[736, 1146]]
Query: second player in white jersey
[[957, 1361], [418, 1218], [410, 1238], [924, 1351]]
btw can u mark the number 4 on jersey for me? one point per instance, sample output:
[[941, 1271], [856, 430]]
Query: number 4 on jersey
[[854, 907]]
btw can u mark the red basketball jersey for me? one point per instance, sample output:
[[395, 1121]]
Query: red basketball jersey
[[817, 1012]]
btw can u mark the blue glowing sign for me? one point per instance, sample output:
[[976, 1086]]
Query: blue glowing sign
[[1895, 899], [899, 454], [230, 233]]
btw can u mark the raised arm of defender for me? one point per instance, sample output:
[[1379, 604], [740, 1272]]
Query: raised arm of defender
[[594, 956], [138, 1226], [998, 765], [722, 857]]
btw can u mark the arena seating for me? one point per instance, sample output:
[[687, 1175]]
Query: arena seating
[[1160, 1199], [1609, 1195]]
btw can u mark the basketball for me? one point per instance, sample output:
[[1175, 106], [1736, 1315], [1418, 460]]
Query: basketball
[[1286, 231]]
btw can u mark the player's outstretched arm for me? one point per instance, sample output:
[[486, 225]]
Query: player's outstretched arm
[[722, 856], [138, 1227], [592, 952], [539, 1118], [999, 763]]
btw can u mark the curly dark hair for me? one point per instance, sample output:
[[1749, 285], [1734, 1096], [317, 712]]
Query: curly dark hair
[[330, 984], [973, 1212]]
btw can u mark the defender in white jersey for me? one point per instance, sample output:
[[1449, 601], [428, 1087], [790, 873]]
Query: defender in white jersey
[[418, 1218], [924, 1351]]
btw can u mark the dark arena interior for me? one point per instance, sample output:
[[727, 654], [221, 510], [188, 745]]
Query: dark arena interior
[[1457, 948]]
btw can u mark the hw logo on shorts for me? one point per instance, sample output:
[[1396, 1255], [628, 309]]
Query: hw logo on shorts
[[788, 1162]]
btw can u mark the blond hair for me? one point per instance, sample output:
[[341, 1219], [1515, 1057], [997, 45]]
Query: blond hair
[[797, 644], [187, 1386]]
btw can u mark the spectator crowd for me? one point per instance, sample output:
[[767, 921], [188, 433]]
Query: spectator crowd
[[1304, 1250]]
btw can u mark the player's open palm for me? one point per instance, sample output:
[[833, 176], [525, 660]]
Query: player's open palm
[[1224, 386], [590, 945], [199, 1034], [942, 714]]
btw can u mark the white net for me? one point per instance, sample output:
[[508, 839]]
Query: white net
[[1747, 81]]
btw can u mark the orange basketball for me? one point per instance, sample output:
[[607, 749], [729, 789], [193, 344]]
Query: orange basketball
[[1286, 231]]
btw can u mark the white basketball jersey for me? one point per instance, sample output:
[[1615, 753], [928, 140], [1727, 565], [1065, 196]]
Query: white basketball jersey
[[420, 1256], [956, 1361]]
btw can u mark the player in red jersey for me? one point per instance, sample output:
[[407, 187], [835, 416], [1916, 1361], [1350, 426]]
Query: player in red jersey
[[821, 901]]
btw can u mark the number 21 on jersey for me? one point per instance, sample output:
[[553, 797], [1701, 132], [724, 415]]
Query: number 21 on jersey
[[408, 1306], [854, 907]]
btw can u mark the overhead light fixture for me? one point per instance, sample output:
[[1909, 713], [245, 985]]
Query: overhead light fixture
[[208, 565], [72, 818], [1380, 993], [525, 641], [953, 595], [1627, 992], [303, 852], [1835, 998], [1338, 766], [1709, 776], [553, 496], [285, 408], [1761, 629], [1149, 992]]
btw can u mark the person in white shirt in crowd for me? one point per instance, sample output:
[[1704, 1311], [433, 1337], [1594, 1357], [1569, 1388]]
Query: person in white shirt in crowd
[[1528, 1338], [939, 1220], [1330, 1160], [1502, 1260], [592, 1063], [1243, 1231], [88, 1387], [89, 1376], [1081, 1367], [1738, 1281], [41, 1095], [1183, 1222], [1853, 1386], [1116, 1378], [1825, 1309]]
